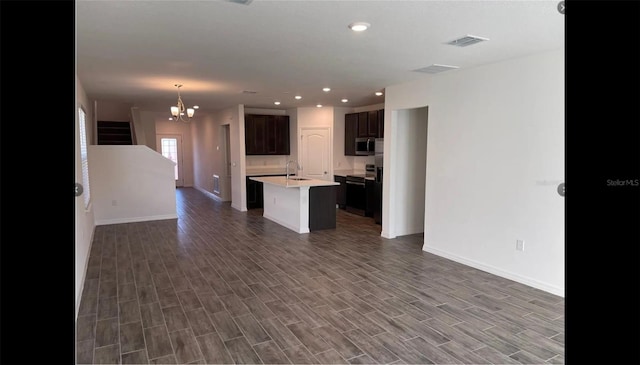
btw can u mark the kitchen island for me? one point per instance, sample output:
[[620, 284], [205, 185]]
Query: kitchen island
[[300, 204]]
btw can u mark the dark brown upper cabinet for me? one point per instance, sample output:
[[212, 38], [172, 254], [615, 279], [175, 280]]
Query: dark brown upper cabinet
[[266, 134], [362, 125], [350, 133], [368, 124], [372, 124]]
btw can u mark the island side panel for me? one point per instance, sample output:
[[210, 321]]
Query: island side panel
[[322, 208], [288, 207]]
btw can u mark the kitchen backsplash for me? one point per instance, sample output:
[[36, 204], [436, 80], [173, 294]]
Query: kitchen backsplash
[[353, 162], [359, 162], [266, 161], [345, 163]]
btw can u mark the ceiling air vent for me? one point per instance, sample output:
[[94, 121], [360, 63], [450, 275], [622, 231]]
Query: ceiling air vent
[[243, 2], [435, 68], [249, 92], [467, 41]]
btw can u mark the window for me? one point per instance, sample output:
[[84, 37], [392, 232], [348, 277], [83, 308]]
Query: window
[[170, 151], [82, 120]]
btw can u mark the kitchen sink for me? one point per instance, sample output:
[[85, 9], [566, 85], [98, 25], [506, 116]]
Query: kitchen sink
[[298, 178]]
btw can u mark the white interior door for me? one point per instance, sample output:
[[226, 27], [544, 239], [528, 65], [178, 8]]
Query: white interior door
[[170, 146], [316, 153]]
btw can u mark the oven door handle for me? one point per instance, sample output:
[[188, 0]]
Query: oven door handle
[[355, 183]]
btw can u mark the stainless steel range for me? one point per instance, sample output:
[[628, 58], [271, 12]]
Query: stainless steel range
[[356, 191]]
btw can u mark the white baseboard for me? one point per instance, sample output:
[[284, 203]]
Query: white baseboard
[[103, 222], [496, 271], [84, 272], [285, 224], [387, 235], [209, 194], [238, 208]]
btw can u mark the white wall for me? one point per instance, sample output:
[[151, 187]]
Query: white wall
[[407, 216], [84, 219], [315, 117], [495, 135], [148, 123], [108, 110], [235, 117], [139, 132], [368, 108], [208, 152], [131, 184], [170, 127], [264, 111], [340, 161]]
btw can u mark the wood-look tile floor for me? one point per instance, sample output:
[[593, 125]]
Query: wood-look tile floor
[[222, 286]]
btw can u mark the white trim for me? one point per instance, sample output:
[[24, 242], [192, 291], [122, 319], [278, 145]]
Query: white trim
[[238, 208], [496, 271], [387, 235], [84, 273], [103, 222], [285, 224], [209, 194]]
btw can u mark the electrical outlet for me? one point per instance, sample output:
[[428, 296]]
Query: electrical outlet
[[520, 245]]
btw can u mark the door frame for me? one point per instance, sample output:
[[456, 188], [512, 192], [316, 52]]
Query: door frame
[[329, 129], [178, 137]]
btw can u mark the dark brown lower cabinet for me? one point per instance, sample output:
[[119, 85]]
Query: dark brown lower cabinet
[[341, 191], [255, 197], [370, 193], [322, 207], [255, 193]]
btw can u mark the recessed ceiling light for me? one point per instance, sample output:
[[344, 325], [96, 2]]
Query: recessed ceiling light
[[170, 118], [319, 105], [344, 100], [276, 102], [326, 89], [359, 26], [378, 93], [196, 107], [298, 97]]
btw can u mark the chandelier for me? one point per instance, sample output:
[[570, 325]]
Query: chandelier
[[178, 111]]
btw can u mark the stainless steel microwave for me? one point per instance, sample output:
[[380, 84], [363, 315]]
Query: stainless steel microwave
[[365, 146]]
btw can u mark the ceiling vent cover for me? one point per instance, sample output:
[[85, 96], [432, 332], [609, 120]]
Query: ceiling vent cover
[[435, 68], [467, 41]]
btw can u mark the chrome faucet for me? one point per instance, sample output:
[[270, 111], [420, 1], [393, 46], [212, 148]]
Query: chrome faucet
[[297, 167]]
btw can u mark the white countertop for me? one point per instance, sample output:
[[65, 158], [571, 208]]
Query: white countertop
[[266, 171], [283, 182]]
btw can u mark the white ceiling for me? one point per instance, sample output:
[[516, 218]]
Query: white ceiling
[[135, 51]]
